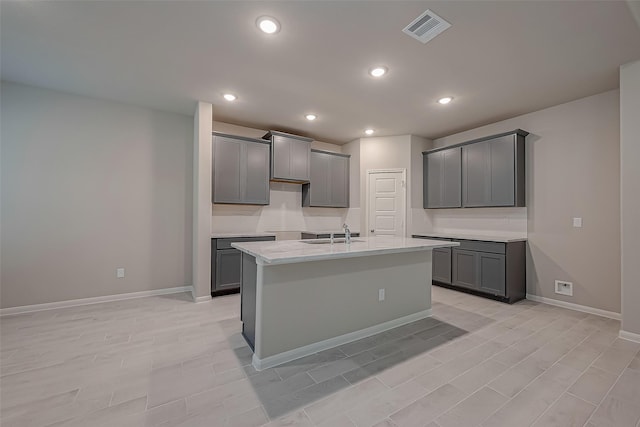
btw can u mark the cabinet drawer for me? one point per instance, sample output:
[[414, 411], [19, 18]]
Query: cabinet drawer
[[478, 246], [226, 243]]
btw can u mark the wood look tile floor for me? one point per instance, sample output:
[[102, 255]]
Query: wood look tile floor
[[165, 361]]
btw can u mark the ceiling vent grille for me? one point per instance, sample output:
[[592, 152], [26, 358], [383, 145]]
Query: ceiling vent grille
[[426, 26]]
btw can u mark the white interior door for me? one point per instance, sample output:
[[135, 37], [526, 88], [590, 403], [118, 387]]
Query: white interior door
[[386, 203]]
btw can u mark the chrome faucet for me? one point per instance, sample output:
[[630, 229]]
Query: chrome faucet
[[347, 234]]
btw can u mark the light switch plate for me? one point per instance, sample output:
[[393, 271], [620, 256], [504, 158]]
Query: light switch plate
[[120, 273], [577, 222]]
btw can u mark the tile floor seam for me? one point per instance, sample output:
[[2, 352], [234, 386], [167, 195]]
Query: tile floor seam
[[604, 396]]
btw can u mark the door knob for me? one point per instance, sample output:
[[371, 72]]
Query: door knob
[[373, 231]]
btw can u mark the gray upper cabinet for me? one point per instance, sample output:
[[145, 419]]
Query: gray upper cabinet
[[442, 178], [240, 170], [486, 172], [329, 184], [489, 172], [290, 157]]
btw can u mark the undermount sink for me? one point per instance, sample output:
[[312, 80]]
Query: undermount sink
[[327, 241]]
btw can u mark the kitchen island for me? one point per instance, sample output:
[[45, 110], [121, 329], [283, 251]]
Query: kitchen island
[[301, 297]]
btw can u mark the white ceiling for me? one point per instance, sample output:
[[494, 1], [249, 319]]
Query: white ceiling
[[498, 60]]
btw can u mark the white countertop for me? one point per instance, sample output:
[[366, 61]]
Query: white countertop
[[292, 251], [232, 235], [501, 238]]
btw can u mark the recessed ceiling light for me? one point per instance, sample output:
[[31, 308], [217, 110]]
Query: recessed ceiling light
[[230, 97], [369, 131], [311, 117], [378, 71], [445, 100], [268, 24]]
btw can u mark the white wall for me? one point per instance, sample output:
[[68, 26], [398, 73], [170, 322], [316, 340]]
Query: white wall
[[202, 182], [573, 170], [630, 195], [90, 185], [285, 213]]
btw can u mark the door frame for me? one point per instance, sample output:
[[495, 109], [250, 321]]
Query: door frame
[[371, 172]]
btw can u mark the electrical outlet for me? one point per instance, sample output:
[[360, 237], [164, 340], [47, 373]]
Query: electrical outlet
[[564, 288], [577, 222], [380, 294], [120, 273]]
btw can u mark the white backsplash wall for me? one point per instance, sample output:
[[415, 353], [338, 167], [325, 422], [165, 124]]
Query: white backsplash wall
[[284, 213], [483, 221]]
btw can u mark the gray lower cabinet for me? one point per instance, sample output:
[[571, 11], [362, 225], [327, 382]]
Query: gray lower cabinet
[[290, 157], [441, 261], [442, 178], [240, 170], [483, 267], [226, 264], [329, 183]]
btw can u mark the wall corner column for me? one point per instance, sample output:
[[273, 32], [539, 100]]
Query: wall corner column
[[630, 199], [201, 268]]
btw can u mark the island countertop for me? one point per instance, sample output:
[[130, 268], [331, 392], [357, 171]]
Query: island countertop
[[293, 251]]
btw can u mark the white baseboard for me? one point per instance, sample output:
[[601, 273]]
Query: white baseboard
[[201, 299], [296, 353], [94, 300], [576, 307], [630, 336]]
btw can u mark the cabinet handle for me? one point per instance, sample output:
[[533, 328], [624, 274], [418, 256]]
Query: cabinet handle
[[373, 231]]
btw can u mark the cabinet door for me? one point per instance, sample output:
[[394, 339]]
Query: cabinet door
[[476, 174], [451, 178], [441, 261], [488, 173], [491, 273], [339, 181], [281, 147], [433, 163], [228, 264], [319, 186], [442, 179], [300, 155], [227, 161], [502, 171], [465, 268], [255, 182]]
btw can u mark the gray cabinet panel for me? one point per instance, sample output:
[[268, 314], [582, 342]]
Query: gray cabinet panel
[[329, 184], [228, 271], [319, 188], [256, 185], [465, 268], [451, 189], [281, 155], [476, 174], [299, 160], [491, 273], [240, 170], [227, 167], [339, 181], [442, 179], [488, 172], [502, 171], [433, 171], [441, 262], [290, 157], [225, 264]]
